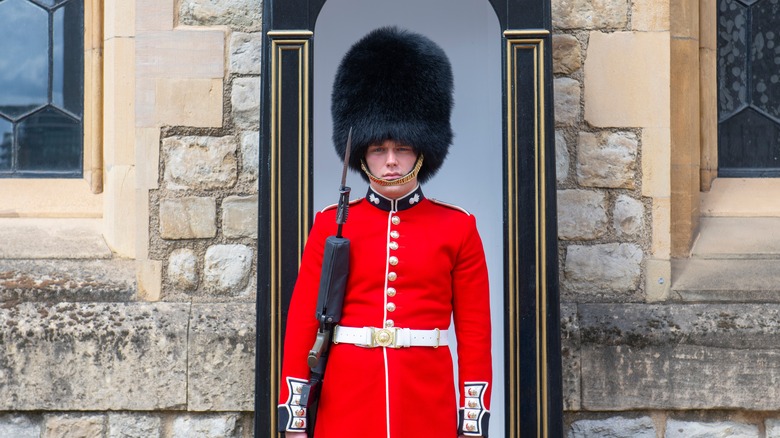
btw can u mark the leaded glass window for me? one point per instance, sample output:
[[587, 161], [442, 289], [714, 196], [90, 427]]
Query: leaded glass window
[[41, 88], [749, 88]]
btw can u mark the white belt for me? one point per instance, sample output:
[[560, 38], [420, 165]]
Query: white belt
[[393, 337]]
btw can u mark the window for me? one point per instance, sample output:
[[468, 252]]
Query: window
[[42, 98]]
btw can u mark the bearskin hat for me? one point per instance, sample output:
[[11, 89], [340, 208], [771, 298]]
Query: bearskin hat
[[394, 84]]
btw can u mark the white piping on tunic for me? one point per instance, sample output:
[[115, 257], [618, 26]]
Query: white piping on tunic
[[384, 319]]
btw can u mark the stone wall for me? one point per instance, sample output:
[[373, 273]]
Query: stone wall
[[640, 361], [163, 345], [160, 344]]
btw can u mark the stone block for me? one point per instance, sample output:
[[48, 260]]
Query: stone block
[[628, 217], [25, 197], [239, 216], [696, 356], [693, 429], [656, 160], [227, 268], [243, 15], [582, 214], [684, 19], [603, 270], [661, 243], [589, 14], [250, 156], [119, 217], [154, 15], [708, 24], [613, 427], [147, 153], [772, 428], [561, 157], [54, 239], [567, 101], [56, 280], [200, 163], [650, 15], [188, 102], [180, 54], [627, 79], [18, 426], [73, 425], [245, 100], [93, 357], [119, 18], [222, 357], [245, 51], [188, 218], [607, 159], [566, 54], [570, 355], [149, 276], [118, 101], [658, 279], [183, 269], [144, 102], [123, 425], [685, 102], [207, 426]]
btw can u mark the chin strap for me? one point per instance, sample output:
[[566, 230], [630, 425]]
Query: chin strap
[[397, 181]]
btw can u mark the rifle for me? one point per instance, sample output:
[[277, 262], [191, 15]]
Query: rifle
[[333, 283]]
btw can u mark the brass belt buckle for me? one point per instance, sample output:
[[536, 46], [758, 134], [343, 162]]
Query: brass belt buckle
[[384, 337]]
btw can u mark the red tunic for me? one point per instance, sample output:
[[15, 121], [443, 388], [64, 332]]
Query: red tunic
[[414, 263]]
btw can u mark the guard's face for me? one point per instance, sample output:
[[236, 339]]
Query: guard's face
[[391, 160]]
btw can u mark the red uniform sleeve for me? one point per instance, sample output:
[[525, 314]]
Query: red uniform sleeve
[[471, 313], [301, 330]]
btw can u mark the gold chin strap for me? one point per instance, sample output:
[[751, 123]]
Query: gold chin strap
[[397, 181]]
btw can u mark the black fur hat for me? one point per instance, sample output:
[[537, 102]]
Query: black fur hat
[[394, 84]]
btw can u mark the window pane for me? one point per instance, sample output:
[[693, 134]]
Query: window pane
[[68, 58], [50, 140], [6, 141], [49, 2], [24, 60]]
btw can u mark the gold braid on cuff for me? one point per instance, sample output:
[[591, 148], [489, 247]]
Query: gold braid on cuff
[[397, 181]]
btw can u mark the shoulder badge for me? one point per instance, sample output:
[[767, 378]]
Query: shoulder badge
[[452, 206], [332, 206]]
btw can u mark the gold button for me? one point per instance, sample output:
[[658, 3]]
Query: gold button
[[299, 424], [390, 291], [471, 427], [395, 220], [393, 260], [300, 413], [473, 392], [389, 323], [393, 245], [390, 307], [472, 415], [392, 276], [297, 389], [473, 404], [394, 234]]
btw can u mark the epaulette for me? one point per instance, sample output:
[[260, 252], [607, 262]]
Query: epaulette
[[332, 206], [452, 206]]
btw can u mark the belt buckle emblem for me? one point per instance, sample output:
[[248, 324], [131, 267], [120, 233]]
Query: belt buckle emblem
[[384, 337]]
